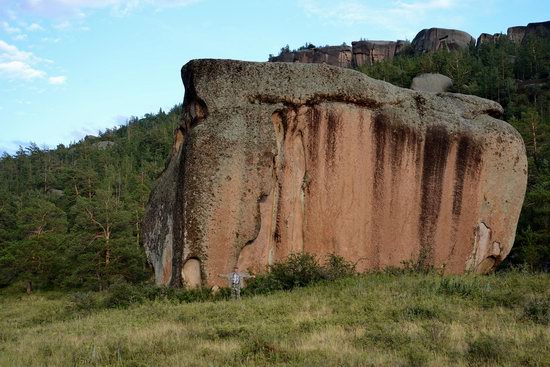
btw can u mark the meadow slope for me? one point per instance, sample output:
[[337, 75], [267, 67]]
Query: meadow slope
[[367, 320]]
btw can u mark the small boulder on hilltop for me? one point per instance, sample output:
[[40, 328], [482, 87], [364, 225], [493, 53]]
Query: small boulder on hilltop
[[435, 83]]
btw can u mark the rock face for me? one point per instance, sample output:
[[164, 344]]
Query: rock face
[[433, 39], [520, 33], [541, 29], [275, 158], [516, 34], [361, 53], [435, 83], [370, 52], [332, 55], [487, 38]]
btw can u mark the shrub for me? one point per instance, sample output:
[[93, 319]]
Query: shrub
[[537, 310], [418, 312], [422, 264], [337, 267], [487, 348], [458, 286], [122, 294], [83, 301], [300, 270]]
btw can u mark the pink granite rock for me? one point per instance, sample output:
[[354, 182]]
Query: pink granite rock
[[275, 158]]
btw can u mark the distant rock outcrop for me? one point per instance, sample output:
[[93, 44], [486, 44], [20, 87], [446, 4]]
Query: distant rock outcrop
[[516, 34], [369, 52], [520, 33], [433, 39], [435, 83], [486, 37], [541, 29], [360, 53], [427, 40], [332, 55], [275, 158]]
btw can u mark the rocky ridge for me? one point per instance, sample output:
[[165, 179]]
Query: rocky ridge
[[366, 52]]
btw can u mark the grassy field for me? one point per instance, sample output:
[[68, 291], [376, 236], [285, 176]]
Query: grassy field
[[368, 320]]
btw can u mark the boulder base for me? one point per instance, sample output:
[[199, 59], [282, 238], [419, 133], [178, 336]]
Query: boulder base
[[275, 158]]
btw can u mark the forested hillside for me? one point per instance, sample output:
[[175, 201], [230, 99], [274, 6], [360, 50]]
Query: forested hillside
[[70, 216], [518, 77]]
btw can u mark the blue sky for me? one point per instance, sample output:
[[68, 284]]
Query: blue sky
[[69, 68]]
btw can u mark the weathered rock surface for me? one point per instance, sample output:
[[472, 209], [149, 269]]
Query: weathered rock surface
[[435, 83], [516, 34], [487, 38], [433, 39], [370, 52], [331, 55], [541, 29], [274, 158]]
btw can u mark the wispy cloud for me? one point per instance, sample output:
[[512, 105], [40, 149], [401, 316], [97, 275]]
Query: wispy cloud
[[57, 80], [35, 27], [12, 53], [20, 70], [399, 18], [9, 28], [16, 64], [64, 8]]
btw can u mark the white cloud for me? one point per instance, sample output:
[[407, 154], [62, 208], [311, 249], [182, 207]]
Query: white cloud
[[35, 27], [14, 32], [57, 80], [9, 29], [22, 65], [50, 40], [19, 70], [12, 53], [62, 25]]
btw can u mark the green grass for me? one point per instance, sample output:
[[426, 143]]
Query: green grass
[[369, 320]]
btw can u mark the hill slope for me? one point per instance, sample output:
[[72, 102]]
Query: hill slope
[[372, 320]]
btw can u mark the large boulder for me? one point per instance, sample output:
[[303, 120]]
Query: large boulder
[[433, 39], [276, 158], [430, 82]]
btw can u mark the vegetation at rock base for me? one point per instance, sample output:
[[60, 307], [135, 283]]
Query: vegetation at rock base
[[380, 319]]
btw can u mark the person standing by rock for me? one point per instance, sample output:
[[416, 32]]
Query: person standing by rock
[[236, 281]]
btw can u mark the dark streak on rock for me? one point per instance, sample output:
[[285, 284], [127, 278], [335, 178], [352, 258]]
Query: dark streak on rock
[[283, 117], [436, 150], [468, 161], [314, 116], [420, 104], [381, 124], [333, 124]]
